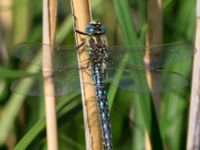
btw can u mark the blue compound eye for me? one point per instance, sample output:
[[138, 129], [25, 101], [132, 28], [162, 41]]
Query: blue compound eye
[[103, 29], [90, 29], [95, 28]]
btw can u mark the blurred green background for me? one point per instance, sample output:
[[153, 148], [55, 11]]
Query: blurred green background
[[22, 123]]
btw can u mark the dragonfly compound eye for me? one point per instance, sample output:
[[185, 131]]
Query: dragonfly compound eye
[[95, 28]]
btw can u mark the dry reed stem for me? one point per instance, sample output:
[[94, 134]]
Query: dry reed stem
[[6, 14], [154, 36], [81, 11], [193, 139], [6, 20], [49, 25]]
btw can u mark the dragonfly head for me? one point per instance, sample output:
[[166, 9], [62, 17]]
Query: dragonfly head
[[95, 28]]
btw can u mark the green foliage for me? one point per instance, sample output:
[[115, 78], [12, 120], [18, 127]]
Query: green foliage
[[133, 114]]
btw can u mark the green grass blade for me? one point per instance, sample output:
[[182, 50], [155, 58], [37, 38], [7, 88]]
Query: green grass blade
[[143, 102], [65, 107], [14, 104], [9, 73]]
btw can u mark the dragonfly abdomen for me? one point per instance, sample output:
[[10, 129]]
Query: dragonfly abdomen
[[103, 108], [97, 48]]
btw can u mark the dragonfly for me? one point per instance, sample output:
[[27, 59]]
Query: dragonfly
[[104, 62], [66, 67]]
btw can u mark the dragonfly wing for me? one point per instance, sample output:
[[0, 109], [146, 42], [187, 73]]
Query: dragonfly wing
[[64, 56], [121, 53], [171, 54], [135, 80], [159, 57], [64, 83]]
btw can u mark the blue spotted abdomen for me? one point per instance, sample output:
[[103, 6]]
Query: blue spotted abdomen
[[103, 107], [97, 48]]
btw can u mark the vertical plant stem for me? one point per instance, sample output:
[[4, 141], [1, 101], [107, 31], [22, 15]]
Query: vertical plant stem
[[193, 139], [49, 25], [6, 14], [154, 36], [82, 16], [22, 14], [6, 17]]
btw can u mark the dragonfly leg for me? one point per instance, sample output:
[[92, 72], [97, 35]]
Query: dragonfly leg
[[85, 68], [80, 45], [75, 27], [80, 32]]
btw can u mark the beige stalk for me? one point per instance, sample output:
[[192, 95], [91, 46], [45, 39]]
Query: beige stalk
[[49, 26], [193, 138], [82, 16]]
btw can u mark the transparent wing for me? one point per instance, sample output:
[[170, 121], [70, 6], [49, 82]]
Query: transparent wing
[[64, 82], [135, 80], [132, 77], [64, 56], [67, 82], [158, 56]]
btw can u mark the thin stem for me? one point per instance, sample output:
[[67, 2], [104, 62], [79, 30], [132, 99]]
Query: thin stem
[[82, 16], [49, 25], [6, 17], [193, 139], [154, 36]]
